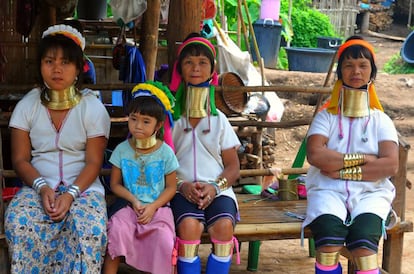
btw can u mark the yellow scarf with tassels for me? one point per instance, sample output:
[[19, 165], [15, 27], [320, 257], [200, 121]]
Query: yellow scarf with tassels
[[333, 108]]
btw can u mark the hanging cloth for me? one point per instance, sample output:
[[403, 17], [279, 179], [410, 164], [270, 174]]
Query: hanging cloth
[[128, 10]]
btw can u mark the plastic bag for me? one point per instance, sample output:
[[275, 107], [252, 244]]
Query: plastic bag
[[128, 10], [119, 51], [231, 58], [26, 13]]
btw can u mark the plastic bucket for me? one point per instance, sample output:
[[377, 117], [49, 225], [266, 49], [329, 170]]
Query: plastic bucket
[[329, 42], [270, 9], [407, 49], [91, 9], [268, 33], [309, 59]]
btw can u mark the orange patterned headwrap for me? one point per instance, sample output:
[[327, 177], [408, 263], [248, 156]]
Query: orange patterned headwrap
[[354, 42]]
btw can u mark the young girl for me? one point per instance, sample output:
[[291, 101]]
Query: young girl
[[206, 148], [352, 148], [143, 173]]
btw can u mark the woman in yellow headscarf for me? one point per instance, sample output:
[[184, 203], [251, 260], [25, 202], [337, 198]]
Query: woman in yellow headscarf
[[352, 147]]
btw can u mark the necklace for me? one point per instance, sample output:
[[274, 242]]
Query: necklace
[[142, 178], [60, 100], [139, 156]]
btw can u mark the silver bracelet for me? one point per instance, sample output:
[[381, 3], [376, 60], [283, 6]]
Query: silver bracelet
[[74, 190], [38, 183], [216, 187]]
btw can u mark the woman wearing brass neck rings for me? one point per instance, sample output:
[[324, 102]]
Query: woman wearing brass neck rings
[[57, 222], [206, 148], [352, 147]]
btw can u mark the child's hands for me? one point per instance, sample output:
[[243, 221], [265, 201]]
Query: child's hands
[[137, 207], [146, 214]]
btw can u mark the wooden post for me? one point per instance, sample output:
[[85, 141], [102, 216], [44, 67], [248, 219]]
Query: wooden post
[[184, 17], [365, 21], [149, 36], [393, 245]]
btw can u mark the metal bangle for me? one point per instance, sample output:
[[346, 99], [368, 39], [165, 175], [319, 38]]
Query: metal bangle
[[179, 185], [222, 184], [74, 191], [38, 183], [353, 159], [216, 187], [352, 173]]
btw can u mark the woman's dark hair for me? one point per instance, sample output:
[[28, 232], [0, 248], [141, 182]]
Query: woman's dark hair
[[356, 51], [71, 51], [147, 105], [195, 50]]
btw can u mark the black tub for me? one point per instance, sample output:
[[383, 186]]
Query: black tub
[[309, 59]]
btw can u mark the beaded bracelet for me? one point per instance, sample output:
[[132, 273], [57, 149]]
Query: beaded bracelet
[[74, 191], [353, 159], [38, 183], [352, 173]]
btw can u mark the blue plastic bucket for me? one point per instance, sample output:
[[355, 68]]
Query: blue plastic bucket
[[268, 33], [407, 49], [309, 59]]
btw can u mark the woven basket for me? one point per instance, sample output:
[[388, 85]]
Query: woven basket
[[231, 103]]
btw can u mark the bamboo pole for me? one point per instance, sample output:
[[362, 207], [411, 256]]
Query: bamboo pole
[[220, 32], [256, 47], [243, 173], [246, 37], [13, 89], [264, 124]]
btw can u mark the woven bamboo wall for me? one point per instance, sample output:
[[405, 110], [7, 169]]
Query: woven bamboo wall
[[18, 64], [342, 14], [19, 54]]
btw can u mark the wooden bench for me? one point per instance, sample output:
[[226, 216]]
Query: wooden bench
[[267, 220]]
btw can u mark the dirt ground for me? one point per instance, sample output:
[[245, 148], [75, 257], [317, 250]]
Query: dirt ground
[[394, 91]]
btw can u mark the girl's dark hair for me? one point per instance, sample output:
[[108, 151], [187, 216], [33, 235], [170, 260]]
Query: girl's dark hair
[[71, 51], [147, 105], [195, 50], [356, 51]]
